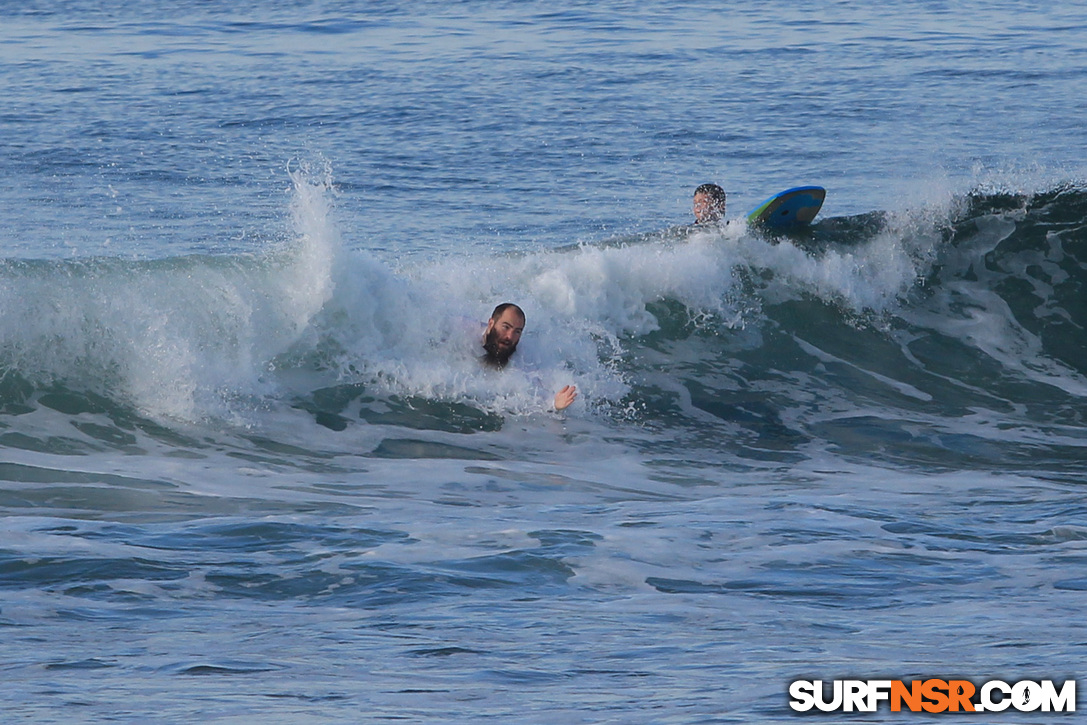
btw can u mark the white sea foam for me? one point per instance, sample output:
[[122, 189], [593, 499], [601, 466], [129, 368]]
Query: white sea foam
[[210, 336], [174, 337]]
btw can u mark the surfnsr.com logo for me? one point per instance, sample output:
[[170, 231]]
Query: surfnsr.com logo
[[933, 696]]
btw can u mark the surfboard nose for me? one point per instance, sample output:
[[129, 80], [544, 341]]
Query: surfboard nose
[[790, 208]]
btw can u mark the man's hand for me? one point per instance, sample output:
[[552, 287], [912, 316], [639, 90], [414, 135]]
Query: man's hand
[[564, 397]]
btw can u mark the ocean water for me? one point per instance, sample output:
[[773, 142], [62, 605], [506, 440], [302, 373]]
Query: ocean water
[[251, 469]]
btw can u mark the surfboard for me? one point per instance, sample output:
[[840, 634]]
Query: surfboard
[[790, 209]]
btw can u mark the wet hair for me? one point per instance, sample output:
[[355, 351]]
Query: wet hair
[[501, 309], [714, 192]]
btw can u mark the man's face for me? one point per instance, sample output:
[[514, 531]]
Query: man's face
[[500, 340], [705, 208]]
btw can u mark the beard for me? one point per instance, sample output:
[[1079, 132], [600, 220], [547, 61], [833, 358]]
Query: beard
[[497, 354]]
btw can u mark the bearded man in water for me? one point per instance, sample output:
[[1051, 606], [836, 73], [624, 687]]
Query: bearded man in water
[[500, 342]]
